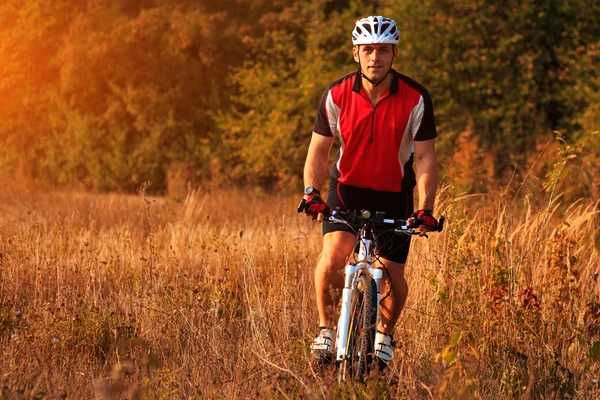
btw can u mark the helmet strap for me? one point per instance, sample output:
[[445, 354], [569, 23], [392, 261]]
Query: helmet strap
[[371, 81]]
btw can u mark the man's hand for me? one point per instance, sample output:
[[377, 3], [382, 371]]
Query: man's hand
[[424, 221], [314, 206]]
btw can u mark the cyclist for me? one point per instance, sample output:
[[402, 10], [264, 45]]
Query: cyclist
[[385, 122]]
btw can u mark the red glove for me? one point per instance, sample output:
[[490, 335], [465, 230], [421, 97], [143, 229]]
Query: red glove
[[425, 218], [313, 206]]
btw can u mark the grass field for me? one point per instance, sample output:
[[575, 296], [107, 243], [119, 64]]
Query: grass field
[[115, 296]]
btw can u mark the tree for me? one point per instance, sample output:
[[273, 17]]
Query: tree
[[106, 94], [502, 69], [31, 34], [265, 137], [140, 85]]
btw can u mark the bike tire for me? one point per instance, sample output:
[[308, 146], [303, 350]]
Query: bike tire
[[363, 322]]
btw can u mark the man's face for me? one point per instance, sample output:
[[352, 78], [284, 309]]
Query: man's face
[[375, 59]]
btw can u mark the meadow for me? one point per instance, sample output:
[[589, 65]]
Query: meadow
[[140, 297]]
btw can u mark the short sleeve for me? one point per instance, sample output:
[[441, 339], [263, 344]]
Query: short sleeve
[[426, 129], [321, 125]]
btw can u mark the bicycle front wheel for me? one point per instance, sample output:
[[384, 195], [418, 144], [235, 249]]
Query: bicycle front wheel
[[363, 320]]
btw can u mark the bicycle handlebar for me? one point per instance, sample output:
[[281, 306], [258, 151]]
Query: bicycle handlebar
[[364, 219]]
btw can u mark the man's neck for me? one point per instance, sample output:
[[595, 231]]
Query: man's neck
[[375, 92]]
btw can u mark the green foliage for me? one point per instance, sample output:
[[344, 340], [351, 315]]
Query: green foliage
[[507, 71], [31, 35], [264, 139], [137, 82], [108, 94], [460, 363], [124, 87], [574, 156]]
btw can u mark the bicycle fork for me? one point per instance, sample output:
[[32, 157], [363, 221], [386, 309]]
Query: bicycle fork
[[351, 276]]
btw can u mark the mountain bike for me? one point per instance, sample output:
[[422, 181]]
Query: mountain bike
[[355, 340]]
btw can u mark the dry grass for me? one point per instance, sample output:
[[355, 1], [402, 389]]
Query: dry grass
[[112, 296]]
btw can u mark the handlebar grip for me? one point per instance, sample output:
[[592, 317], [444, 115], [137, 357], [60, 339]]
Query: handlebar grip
[[440, 226]]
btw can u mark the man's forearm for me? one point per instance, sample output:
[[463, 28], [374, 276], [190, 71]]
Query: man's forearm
[[427, 181], [315, 168]]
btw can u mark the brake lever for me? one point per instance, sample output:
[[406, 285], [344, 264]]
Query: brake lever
[[440, 226], [409, 231]]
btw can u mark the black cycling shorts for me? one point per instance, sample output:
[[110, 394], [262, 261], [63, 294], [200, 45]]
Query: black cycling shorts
[[396, 205]]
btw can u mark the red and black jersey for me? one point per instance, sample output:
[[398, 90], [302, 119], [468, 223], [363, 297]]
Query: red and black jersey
[[376, 149]]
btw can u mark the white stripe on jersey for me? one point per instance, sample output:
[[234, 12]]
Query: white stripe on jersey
[[333, 114], [407, 147], [417, 116]]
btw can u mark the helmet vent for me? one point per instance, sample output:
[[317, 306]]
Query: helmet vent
[[375, 29]]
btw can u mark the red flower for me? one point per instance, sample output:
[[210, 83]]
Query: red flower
[[529, 299]]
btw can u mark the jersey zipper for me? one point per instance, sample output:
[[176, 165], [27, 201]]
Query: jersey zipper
[[373, 114], [372, 124], [373, 117]]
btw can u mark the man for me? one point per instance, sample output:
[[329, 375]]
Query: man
[[384, 121]]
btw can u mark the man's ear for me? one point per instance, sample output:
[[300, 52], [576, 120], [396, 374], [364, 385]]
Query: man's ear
[[355, 50], [395, 52]]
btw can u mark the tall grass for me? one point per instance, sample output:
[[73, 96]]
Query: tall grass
[[114, 296]]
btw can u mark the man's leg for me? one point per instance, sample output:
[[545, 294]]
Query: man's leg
[[329, 274], [389, 310], [392, 305]]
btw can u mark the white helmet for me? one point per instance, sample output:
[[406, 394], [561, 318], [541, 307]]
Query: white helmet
[[375, 29]]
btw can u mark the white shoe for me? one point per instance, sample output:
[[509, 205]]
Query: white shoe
[[384, 347], [322, 346]]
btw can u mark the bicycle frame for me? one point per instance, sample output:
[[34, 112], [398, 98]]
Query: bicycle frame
[[351, 273]]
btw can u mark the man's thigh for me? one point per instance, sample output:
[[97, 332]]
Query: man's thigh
[[338, 245], [393, 269]]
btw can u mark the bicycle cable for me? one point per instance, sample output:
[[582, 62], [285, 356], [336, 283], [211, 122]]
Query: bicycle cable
[[377, 258]]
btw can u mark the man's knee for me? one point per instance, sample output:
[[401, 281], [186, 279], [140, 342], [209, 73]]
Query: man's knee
[[337, 246], [332, 260]]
